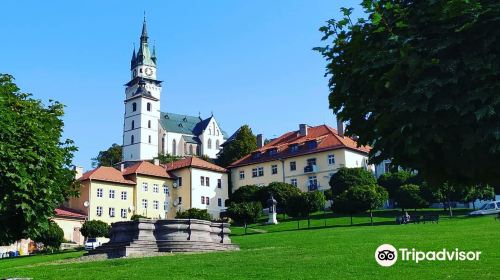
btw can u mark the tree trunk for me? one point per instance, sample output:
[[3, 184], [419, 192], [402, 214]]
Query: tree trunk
[[371, 217], [449, 207], [308, 221], [245, 227], [298, 223], [351, 219]]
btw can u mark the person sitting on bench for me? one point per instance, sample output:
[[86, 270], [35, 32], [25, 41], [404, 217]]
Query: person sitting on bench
[[406, 218]]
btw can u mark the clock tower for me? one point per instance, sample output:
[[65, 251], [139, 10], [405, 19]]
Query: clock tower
[[142, 104]]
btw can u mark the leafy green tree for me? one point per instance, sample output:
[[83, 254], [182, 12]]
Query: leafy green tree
[[168, 158], [392, 181], [315, 201], [280, 191], [35, 173], [346, 178], [243, 143], [344, 203], [419, 82], [368, 198], [246, 193], [410, 197], [296, 207], [94, 229], [194, 213], [109, 157], [245, 212], [481, 192], [51, 237]]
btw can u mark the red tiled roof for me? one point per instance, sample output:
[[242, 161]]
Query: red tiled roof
[[107, 174], [193, 162], [326, 138], [147, 168], [65, 212]]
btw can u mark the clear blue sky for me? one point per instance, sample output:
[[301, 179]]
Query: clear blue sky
[[250, 62]]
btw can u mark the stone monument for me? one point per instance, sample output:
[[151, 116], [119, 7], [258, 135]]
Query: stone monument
[[271, 203]]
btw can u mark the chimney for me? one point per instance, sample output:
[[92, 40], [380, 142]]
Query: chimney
[[260, 141], [122, 167], [340, 127], [303, 129], [156, 161], [79, 172]]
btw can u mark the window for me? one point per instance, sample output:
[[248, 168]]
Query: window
[[145, 203], [313, 183], [149, 124], [209, 144], [191, 149], [111, 193], [331, 159], [144, 187], [254, 172], [312, 144], [134, 107], [274, 169], [99, 192], [133, 124], [217, 144], [123, 213], [165, 190], [156, 204], [256, 155], [217, 132], [180, 199], [207, 181], [155, 188], [148, 107], [293, 166], [294, 148], [209, 131], [174, 147], [207, 200], [179, 181], [163, 145], [124, 195], [99, 211], [387, 167], [219, 202], [149, 139], [165, 206], [111, 212], [202, 200], [242, 175], [202, 180], [273, 151], [311, 161], [185, 148], [132, 139], [219, 183], [293, 182], [261, 171]]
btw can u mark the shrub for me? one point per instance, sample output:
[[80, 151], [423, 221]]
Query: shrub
[[346, 178], [245, 212], [280, 191], [51, 237], [409, 196], [393, 181], [194, 213], [94, 229], [136, 217], [246, 193]]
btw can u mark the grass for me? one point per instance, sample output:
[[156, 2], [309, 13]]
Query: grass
[[282, 252]]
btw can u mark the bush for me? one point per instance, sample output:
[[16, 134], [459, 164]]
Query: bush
[[94, 229], [51, 237], [346, 178], [246, 193], [194, 213], [280, 191], [410, 196], [245, 212], [136, 217], [393, 181]]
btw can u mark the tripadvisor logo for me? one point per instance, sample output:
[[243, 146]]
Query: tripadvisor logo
[[387, 255]]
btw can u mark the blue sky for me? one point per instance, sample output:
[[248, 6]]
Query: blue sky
[[248, 62]]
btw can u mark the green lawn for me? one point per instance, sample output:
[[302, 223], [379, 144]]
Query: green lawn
[[337, 251]]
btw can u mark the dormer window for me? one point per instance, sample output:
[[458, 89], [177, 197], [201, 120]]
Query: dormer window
[[273, 151], [294, 148], [256, 155], [312, 144]]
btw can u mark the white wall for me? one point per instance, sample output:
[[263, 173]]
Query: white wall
[[211, 191]]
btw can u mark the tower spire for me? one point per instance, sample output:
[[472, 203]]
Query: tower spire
[[134, 57], [144, 34]]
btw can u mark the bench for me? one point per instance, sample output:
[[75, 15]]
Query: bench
[[417, 219], [431, 218]]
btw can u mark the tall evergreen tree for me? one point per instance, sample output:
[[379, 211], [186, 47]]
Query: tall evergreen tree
[[244, 142]]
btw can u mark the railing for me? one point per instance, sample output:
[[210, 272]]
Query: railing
[[311, 169], [313, 187]]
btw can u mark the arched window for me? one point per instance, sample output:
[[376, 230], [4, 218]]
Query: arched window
[[191, 149], [198, 150], [163, 145], [132, 139], [217, 144], [134, 107], [185, 148], [149, 139], [217, 132], [133, 124], [148, 106], [149, 124], [209, 131], [209, 144], [174, 147]]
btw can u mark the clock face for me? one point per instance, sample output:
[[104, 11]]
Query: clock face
[[149, 71]]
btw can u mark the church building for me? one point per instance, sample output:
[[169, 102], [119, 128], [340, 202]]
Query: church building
[[147, 131]]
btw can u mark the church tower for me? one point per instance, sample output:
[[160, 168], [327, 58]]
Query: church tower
[[142, 104]]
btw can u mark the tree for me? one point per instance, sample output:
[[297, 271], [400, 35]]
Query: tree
[[280, 191], [51, 237], [416, 77], [245, 212], [194, 213], [94, 229], [315, 201], [344, 204], [168, 158], [109, 157], [392, 181], [481, 192], [244, 142], [409, 196], [246, 193], [368, 197], [35, 163], [346, 178], [296, 207]]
